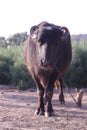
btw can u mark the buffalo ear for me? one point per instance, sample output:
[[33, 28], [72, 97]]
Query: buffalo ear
[[33, 31], [65, 33]]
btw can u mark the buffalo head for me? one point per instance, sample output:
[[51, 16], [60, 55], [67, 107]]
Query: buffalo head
[[48, 38]]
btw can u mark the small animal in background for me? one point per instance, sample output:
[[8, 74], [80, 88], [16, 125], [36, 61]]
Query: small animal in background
[[79, 96]]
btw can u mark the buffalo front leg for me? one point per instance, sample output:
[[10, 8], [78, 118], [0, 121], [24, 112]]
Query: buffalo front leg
[[40, 107], [61, 95], [48, 98]]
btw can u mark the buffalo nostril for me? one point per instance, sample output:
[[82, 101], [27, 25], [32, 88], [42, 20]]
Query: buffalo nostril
[[42, 62]]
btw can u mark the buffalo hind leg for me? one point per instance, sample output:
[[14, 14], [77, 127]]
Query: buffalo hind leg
[[61, 95]]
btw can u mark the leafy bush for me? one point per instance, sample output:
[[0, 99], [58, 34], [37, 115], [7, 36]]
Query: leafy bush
[[12, 68], [77, 74], [5, 77]]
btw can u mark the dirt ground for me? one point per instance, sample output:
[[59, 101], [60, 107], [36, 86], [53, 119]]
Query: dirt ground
[[17, 112]]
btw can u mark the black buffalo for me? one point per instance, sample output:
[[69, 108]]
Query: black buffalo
[[47, 55]]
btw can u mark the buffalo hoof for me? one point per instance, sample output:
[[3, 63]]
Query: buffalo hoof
[[49, 114], [39, 113], [61, 99]]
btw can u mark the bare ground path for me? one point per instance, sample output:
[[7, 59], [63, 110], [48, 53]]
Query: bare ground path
[[17, 112]]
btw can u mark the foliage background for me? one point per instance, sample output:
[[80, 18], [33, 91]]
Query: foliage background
[[13, 70]]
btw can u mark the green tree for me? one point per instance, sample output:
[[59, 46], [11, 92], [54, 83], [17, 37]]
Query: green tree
[[3, 42], [17, 39]]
